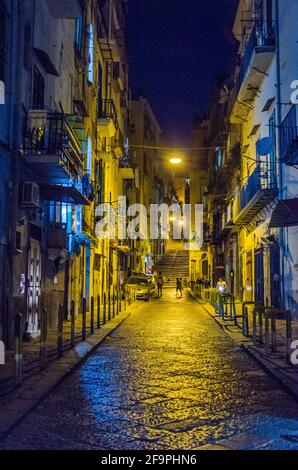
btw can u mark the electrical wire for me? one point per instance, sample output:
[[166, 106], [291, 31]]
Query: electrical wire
[[177, 149]]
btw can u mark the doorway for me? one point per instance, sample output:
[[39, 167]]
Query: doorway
[[34, 287]]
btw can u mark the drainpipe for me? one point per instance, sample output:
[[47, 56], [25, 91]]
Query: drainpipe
[[13, 194], [280, 163]]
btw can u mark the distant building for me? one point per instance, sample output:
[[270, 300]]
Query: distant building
[[145, 134]]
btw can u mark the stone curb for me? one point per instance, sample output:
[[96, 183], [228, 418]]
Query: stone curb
[[268, 364], [33, 391]]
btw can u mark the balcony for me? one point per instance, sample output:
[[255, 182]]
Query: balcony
[[259, 191], [227, 220], [57, 237], [51, 148], [53, 152], [68, 9], [258, 55], [127, 168], [118, 144], [289, 137], [219, 261], [107, 122], [88, 230]]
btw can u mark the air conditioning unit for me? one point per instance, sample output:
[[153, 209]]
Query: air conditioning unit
[[30, 194]]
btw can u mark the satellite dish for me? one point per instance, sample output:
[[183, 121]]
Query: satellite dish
[[264, 146]]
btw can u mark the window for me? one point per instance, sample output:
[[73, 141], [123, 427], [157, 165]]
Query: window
[[89, 156], [218, 159], [79, 34], [100, 182], [100, 86], [91, 54], [38, 89], [2, 42], [27, 46], [78, 219], [60, 213], [116, 70]]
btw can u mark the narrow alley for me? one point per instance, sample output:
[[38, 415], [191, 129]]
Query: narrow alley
[[168, 378]]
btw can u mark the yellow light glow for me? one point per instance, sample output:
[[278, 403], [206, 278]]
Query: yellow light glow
[[176, 160], [172, 219]]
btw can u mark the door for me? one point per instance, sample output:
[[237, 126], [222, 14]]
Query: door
[[87, 281], [272, 155], [249, 278], [34, 287], [275, 287], [259, 276]]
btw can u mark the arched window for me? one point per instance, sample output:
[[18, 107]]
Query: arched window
[[89, 156], [91, 55]]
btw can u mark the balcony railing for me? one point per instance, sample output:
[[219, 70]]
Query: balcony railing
[[88, 188], [219, 260], [289, 137], [259, 190], [127, 162], [261, 36], [88, 228], [261, 43], [65, 8], [107, 110], [48, 138]]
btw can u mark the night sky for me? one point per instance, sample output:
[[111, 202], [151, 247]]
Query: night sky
[[177, 48]]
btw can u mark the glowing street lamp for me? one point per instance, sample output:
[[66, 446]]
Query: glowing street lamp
[[176, 160]]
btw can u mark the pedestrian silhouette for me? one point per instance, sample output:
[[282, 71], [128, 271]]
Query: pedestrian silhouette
[[179, 286], [159, 282]]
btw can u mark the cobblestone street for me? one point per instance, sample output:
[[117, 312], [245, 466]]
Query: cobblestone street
[[168, 378]]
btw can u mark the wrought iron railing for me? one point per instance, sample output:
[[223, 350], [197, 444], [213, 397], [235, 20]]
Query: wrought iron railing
[[289, 136], [107, 109], [89, 227], [262, 34], [52, 135], [262, 178], [88, 188]]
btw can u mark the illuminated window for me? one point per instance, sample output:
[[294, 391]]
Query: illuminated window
[[91, 55], [78, 219], [218, 158], [59, 213], [89, 156], [79, 34]]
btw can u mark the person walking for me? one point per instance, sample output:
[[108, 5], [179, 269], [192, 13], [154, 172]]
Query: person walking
[[179, 286], [221, 286], [159, 282]]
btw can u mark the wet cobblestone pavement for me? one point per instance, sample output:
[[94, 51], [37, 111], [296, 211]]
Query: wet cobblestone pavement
[[168, 378]]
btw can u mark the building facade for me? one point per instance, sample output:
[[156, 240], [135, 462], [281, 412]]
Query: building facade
[[145, 134], [254, 185], [63, 143]]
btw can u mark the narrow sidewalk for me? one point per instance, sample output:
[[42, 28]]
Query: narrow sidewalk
[[22, 400], [274, 363]]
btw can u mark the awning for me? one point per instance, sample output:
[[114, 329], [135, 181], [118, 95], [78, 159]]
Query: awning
[[285, 214], [46, 62], [65, 194]]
